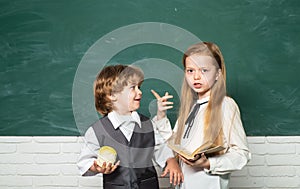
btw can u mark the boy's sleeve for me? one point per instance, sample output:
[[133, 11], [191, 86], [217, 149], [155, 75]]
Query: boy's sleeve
[[163, 126], [161, 150], [88, 153]]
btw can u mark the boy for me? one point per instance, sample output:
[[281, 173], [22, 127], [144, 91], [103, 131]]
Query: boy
[[134, 137]]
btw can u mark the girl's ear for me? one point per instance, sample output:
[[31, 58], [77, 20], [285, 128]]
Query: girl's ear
[[219, 73]]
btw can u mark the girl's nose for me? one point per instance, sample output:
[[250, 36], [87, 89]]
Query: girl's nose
[[197, 75]]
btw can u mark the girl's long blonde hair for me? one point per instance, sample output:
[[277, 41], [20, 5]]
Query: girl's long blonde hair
[[213, 116]]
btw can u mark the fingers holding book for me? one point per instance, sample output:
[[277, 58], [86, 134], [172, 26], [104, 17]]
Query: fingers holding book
[[199, 161]]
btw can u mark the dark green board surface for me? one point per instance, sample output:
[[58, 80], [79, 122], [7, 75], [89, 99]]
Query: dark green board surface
[[43, 42]]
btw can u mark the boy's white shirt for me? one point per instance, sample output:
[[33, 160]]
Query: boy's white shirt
[[126, 124]]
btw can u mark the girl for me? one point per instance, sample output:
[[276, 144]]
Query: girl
[[206, 114]]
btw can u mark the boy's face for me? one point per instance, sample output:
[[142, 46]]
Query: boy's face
[[128, 99]]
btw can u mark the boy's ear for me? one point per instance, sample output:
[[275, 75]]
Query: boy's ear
[[112, 97]]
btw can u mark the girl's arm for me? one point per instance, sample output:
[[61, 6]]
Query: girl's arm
[[237, 154]]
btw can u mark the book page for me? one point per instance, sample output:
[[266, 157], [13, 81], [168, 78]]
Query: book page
[[180, 150], [207, 148], [210, 150]]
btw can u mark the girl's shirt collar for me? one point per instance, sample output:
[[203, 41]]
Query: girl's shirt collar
[[199, 101]]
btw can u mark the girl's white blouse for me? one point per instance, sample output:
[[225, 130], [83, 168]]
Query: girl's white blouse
[[235, 158]]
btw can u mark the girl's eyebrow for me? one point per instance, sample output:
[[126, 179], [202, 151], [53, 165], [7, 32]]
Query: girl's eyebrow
[[189, 67], [197, 67]]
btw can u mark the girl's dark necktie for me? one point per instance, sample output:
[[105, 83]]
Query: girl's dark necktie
[[190, 120]]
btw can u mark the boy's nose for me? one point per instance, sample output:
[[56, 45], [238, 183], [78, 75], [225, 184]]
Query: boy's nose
[[138, 91]]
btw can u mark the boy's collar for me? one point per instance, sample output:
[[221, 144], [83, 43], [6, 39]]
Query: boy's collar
[[117, 120]]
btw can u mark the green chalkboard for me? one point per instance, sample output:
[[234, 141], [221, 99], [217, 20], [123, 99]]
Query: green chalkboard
[[51, 51]]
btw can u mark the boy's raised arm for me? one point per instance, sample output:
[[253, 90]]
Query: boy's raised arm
[[162, 104]]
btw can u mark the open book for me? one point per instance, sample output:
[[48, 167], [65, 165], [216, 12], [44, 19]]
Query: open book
[[207, 148]]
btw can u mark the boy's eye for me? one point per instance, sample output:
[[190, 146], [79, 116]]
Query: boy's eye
[[135, 86]]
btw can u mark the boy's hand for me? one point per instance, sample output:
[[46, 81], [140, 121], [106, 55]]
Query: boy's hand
[[162, 104], [175, 173], [105, 169]]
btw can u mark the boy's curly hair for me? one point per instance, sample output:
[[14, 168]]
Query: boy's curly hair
[[111, 80]]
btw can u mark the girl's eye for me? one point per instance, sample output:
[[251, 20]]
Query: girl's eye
[[204, 70], [189, 71]]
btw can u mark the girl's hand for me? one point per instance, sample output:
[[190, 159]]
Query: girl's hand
[[104, 169], [162, 104], [176, 175], [202, 162]]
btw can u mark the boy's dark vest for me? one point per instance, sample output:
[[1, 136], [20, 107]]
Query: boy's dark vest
[[136, 170]]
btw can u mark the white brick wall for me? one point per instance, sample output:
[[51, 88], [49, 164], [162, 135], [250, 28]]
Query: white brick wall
[[50, 162]]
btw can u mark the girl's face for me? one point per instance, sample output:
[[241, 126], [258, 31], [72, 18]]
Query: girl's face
[[128, 99], [201, 74]]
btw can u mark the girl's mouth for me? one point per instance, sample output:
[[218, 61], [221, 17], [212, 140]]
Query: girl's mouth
[[197, 85]]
